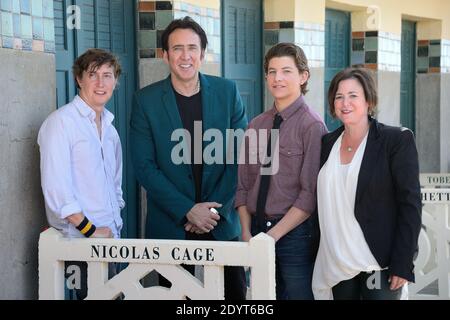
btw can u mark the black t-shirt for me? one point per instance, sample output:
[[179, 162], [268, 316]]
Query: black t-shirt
[[190, 109]]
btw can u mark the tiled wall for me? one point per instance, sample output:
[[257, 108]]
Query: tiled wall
[[445, 56], [389, 52], [154, 17], [365, 49], [209, 19], [27, 25], [309, 36], [428, 56]]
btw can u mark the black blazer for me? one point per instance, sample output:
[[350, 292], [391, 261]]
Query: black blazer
[[388, 203]]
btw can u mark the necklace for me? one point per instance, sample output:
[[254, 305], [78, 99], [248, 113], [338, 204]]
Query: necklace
[[348, 148], [197, 89], [194, 92]]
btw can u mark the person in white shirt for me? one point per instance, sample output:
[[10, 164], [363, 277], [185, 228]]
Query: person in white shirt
[[81, 154]]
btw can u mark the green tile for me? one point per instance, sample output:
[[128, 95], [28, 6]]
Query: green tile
[[358, 44], [147, 39], [163, 18], [36, 8], [146, 20], [7, 24], [371, 57], [147, 53], [422, 62], [286, 35], [371, 44], [422, 70], [422, 51], [271, 37], [435, 50]]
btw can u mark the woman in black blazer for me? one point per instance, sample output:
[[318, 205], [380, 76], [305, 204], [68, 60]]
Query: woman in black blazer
[[369, 202]]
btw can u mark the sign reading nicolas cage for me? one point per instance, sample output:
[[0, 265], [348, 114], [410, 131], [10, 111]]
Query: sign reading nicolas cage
[[153, 253]]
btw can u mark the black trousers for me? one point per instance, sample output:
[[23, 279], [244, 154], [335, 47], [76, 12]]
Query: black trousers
[[366, 286], [234, 277]]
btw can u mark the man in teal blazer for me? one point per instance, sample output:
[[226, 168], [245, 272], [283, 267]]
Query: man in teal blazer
[[180, 196]]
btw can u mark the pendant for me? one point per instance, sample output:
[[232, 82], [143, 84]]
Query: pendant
[[349, 149]]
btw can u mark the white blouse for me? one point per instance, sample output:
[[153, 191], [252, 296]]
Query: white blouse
[[343, 251]]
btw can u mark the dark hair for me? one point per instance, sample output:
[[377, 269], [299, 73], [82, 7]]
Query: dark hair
[[185, 23], [364, 78], [286, 49], [93, 59]]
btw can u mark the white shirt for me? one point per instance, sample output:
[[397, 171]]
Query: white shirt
[[79, 171]]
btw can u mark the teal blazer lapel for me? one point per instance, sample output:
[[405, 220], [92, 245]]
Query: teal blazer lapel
[[207, 103], [170, 105]]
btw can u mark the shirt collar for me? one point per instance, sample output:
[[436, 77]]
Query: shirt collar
[[87, 111], [290, 110]]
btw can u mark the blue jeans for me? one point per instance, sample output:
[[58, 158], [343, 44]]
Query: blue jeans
[[294, 263]]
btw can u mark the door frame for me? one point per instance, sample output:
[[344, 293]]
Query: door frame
[[132, 221], [349, 60], [412, 112], [261, 48]]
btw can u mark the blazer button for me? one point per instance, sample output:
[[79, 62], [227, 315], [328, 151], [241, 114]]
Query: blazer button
[[190, 177]]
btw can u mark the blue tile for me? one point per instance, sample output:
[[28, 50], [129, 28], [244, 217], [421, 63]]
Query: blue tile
[[27, 30], [435, 62], [49, 30], [25, 6], [47, 8], [16, 6], [36, 8], [358, 57], [7, 24], [16, 25], [38, 29], [27, 45], [8, 42], [6, 5]]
